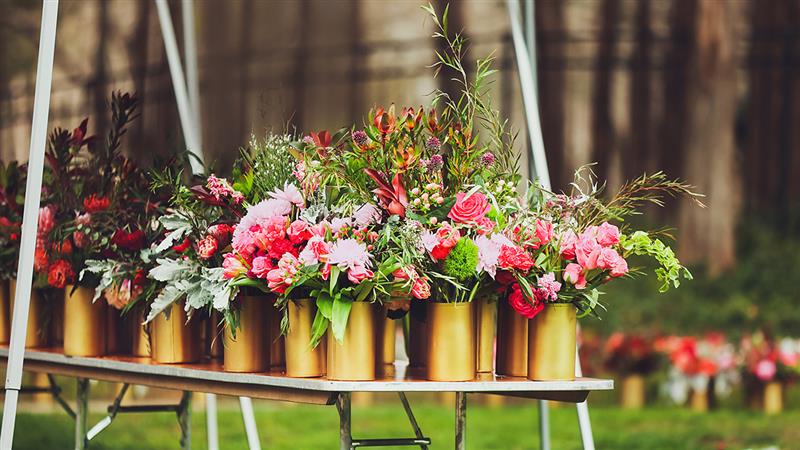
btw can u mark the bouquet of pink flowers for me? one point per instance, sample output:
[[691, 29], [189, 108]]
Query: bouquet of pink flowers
[[765, 359]]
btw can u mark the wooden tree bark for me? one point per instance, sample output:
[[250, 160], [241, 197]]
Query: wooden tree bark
[[710, 153], [550, 20], [603, 136]]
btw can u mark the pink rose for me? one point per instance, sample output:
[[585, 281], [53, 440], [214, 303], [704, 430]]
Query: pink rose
[[233, 266], [261, 267], [567, 244], [544, 232], [587, 251], [469, 209], [206, 247], [574, 275], [607, 258], [607, 234], [299, 231], [521, 305], [620, 267], [359, 273]]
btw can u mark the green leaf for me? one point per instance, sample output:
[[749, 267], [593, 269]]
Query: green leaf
[[334, 277], [341, 312], [325, 305], [318, 329]]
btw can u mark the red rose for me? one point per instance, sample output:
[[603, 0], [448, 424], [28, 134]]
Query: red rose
[[94, 204], [183, 246], [222, 232], [60, 274], [514, 258], [469, 209], [528, 308], [129, 241], [138, 278], [206, 247]]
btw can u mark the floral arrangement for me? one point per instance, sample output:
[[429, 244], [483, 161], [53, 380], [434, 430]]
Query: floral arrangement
[[630, 354], [765, 360], [12, 195], [699, 363], [87, 182]]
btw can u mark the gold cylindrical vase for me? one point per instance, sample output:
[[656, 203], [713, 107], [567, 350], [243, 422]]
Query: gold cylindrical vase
[[632, 394], [512, 342], [248, 350], [5, 312], [277, 348], [353, 359], [385, 336], [486, 325], [551, 343], [37, 334], [302, 361], [451, 337], [699, 400], [773, 397], [173, 340], [85, 323]]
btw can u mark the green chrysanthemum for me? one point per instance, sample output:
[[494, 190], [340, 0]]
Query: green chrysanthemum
[[462, 260]]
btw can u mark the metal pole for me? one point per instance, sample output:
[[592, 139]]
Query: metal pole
[[584, 421], [529, 97], [212, 433], [185, 420], [19, 323], [345, 424], [461, 421], [544, 425], [249, 420], [81, 412], [179, 86], [190, 56]]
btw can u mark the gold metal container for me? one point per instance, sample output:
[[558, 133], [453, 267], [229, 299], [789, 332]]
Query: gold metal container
[[175, 341], [140, 340], [213, 336], [451, 335], [85, 323], [385, 337], [485, 329], [632, 394], [249, 350], [551, 343], [37, 334], [512, 342], [301, 360], [277, 349], [353, 359], [699, 400], [417, 339], [5, 312], [773, 397]]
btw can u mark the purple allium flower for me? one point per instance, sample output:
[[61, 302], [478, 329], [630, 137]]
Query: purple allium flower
[[433, 144], [360, 138], [436, 163], [487, 159]]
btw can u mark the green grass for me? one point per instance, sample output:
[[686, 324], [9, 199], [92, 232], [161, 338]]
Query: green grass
[[512, 427]]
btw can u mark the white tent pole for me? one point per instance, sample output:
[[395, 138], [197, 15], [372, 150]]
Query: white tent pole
[[190, 56], [529, 96], [185, 114], [30, 218]]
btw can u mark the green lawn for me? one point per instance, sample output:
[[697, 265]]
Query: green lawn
[[299, 427]]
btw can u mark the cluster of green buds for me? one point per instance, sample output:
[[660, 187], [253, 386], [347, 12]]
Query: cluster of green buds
[[504, 191], [430, 196]]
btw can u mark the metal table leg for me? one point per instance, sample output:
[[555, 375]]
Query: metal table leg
[[185, 420], [249, 419], [544, 425], [81, 412], [461, 420], [211, 422], [345, 430]]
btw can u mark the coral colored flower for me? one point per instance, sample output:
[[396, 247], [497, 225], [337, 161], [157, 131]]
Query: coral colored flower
[[289, 194], [607, 234], [47, 220], [93, 204], [221, 232], [514, 257], [299, 231], [469, 208], [384, 121], [574, 275], [528, 308], [62, 248], [183, 246], [60, 274], [40, 257], [206, 247], [119, 297], [233, 266], [281, 247], [421, 289], [261, 267]]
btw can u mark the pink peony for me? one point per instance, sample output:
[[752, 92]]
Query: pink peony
[[607, 258], [607, 234], [469, 208], [289, 194], [358, 274], [261, 267], [567, 244], [206, 247], [233, 266], [573, 274], [765, 370]]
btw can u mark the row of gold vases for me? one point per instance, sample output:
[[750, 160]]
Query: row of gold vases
[[632, 394], [37, 331]]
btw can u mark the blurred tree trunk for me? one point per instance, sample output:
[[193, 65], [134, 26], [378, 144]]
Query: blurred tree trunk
[[710, 158], [300, 64], [639, 152], [455, 25], [98, 83], [603, 136], [550, 20], [137, 54]]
